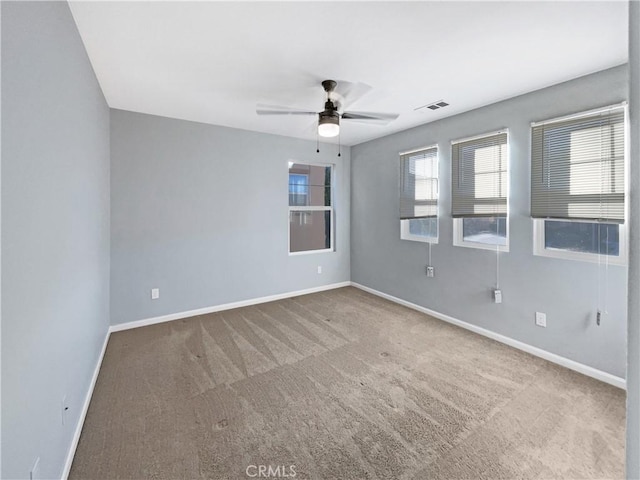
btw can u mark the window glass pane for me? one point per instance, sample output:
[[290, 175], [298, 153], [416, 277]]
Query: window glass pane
[[298, 189], [423, 227], [309, 185], [309, 230], [586, 237], [489, 230]]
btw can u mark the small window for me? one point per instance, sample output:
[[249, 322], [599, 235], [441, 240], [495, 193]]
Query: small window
[[419, 195], [310, 208], [479, 185], [575, 240], [578, 186]]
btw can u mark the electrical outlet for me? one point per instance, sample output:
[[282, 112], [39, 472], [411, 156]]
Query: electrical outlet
[[155, 293], [497, 296], [34, 473], [541, 319], [431, 271], [319, 269]]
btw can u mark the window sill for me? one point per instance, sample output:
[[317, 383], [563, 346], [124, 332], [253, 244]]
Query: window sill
[[482, 246], [309, 252], [417, 238], [580, 257]]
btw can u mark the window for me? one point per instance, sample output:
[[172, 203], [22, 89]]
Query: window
[[578, 186], [479, 185], [310, 208], [419, 195]]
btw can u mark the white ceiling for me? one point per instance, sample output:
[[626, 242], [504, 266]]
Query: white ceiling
[[213, 61]]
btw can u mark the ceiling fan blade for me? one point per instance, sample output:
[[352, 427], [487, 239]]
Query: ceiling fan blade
[[350, 92], [262, 109], [370, 117]]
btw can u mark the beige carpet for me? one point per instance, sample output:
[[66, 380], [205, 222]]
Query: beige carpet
[[340, 385]]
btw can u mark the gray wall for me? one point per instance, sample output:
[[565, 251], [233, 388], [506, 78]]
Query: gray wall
[[55, 233], [565, 290], [0, 246], [633, 361], [201, 212]]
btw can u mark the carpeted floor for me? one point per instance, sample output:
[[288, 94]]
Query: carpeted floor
[[340, 385]]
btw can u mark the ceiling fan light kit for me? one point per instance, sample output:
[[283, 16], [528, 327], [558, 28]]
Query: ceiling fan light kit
[[328, 124]]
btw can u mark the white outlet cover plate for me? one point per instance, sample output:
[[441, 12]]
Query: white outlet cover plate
[[497, 296], [541, 319]]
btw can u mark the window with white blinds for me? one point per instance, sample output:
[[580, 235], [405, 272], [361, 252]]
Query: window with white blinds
[[577, 167], [479, 176], [419, 184]]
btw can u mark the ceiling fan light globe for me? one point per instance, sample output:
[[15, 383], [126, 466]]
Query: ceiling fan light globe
[[328, 129], [328, 124]]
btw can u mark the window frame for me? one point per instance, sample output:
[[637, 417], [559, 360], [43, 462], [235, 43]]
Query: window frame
[[540, 250], [330, 208], [458, 229], [404, 223]]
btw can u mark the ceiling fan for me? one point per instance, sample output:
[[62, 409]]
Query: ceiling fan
[[329, 118]]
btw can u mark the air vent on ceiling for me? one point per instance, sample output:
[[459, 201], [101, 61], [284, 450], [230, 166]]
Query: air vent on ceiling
[[432, 106]]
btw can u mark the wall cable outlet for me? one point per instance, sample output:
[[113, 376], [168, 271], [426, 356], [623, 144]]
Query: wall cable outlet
[[497, 296], [431, 271]]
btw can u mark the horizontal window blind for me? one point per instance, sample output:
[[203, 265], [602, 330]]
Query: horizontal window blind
[[479, 176], [577, 167], [419, 184]]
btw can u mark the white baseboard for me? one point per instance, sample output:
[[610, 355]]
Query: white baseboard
[[538, 352], [225, 306], [83, 413]]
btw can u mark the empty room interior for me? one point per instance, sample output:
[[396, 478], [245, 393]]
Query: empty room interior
[[320, 240]]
